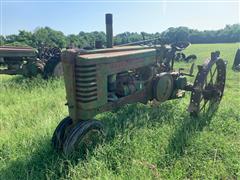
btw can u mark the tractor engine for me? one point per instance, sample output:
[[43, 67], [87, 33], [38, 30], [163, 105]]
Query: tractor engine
[[163, 85], [128, 82], [122, 84]]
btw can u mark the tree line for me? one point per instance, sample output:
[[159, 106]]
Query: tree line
[[49, 37]]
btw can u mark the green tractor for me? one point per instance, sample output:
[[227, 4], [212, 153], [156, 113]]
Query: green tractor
[[30, 62], [236, 62], [97, 81]]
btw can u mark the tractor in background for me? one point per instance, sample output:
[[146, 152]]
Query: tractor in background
[[30, 62], [236, 62]]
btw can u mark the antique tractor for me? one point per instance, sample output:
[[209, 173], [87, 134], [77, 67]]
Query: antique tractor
[[102, 80], [236, 62], [30, 62]]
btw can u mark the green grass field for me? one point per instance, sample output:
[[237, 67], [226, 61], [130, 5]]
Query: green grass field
[[143, 142]]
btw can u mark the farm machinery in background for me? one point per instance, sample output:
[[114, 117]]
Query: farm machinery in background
[[97, 81], [30, 62], [236, 62], [180, 56]]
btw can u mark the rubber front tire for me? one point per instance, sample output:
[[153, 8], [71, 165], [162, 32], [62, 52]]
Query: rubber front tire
[[59, 133], [80, 139]]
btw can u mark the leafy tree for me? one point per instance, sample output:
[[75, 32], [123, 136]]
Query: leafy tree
[[11, 38], [49, 37], [72, 40], [17, 44], [127, 37], [2, 40], [25, 37], [176, 34]]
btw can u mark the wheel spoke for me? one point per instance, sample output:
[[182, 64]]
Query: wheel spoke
[[211, 81], [203, 107], [201, 99], [205, 82], [212, 74]]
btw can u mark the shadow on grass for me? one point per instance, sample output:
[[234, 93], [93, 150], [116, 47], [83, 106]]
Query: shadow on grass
[[132, 117], [135, 116], [45, 163], [182, 136]]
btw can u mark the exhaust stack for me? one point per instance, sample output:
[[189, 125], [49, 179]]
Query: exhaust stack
[[109, 30]]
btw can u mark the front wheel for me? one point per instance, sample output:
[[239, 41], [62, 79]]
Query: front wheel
[[59, 133], [84, 137]]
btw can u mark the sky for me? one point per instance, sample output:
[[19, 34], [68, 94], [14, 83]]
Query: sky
[[152, 16]]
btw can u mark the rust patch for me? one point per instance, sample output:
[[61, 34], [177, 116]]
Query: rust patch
[[114, 54]]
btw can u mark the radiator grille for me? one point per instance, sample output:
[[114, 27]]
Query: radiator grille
[[86, 83]]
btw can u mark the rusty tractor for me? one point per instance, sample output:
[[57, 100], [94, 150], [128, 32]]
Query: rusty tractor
[[30, 62], [236, 62], [102, 80]]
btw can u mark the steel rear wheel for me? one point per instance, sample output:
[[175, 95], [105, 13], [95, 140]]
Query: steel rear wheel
[[83, 138], [59, 133], [208, 88], [58, 70]]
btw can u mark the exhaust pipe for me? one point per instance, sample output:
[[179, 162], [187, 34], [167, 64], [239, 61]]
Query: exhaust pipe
[[109, 30]]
